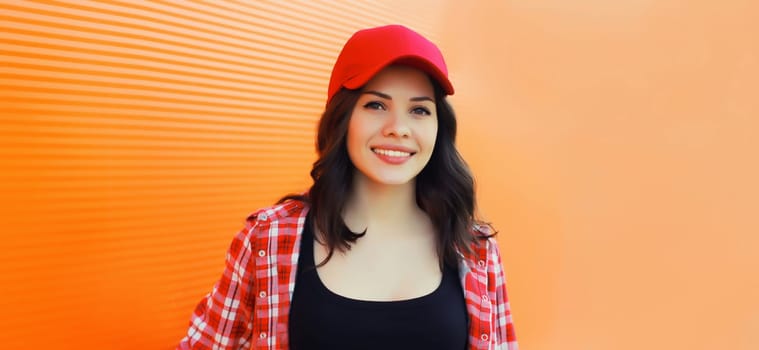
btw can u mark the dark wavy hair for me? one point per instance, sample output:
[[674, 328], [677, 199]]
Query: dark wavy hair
[[444, 187]]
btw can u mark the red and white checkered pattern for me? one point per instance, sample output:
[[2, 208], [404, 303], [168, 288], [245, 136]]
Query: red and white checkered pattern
[[249, 306]]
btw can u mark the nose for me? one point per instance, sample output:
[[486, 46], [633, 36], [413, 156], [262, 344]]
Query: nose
[[397, 125]]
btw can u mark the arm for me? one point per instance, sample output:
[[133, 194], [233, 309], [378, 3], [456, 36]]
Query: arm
[[502, 323], [223, 318]]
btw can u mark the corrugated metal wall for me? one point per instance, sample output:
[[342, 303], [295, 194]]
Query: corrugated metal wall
[[611, 142], [135, 137]]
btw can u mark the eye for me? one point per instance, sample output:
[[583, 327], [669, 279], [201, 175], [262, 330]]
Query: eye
[[375, 105], [421, 111]]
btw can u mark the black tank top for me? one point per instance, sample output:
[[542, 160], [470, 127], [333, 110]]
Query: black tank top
[[321, 319]]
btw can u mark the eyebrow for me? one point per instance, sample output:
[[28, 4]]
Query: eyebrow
[[387, 97]]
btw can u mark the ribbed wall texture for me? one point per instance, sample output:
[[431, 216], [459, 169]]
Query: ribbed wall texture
[[135, 138], [613, 143]]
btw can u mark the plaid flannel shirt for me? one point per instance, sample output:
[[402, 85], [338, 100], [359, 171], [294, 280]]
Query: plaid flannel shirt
[[248, 307]]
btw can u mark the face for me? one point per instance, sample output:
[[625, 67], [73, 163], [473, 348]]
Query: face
[[392, 129]]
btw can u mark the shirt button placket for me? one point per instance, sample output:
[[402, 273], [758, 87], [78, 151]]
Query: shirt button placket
[[262, 294], [262, 217]]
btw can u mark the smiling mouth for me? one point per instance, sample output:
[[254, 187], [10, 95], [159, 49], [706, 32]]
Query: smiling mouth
[[392, 153]]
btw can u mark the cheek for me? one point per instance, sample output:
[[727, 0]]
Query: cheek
[[354, 137], [360, 129], [430, 136]]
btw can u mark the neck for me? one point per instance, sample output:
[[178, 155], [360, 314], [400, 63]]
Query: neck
[[371, 204]]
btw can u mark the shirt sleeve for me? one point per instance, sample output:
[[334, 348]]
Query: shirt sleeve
[[502, 323], [223, 318]]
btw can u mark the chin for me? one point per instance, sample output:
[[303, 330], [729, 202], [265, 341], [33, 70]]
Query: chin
[[391, 180]]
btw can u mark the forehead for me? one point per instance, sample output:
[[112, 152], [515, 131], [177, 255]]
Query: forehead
[[401, 79]]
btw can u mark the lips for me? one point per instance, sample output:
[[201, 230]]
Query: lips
[[393, 154]]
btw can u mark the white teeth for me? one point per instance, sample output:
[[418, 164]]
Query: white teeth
[[391, 153]]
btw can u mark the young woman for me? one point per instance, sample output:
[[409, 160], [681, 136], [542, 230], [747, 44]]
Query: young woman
[[383, 251]]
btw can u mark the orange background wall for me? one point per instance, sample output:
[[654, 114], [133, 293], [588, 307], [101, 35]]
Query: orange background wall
[[614, 144]]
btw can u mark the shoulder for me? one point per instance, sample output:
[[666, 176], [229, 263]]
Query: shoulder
[[280, 219], [482, 246], [483, 230], [484, 235], [284, 211], [486, 247]]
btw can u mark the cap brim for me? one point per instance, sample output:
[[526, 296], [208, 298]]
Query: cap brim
[[417, 62]]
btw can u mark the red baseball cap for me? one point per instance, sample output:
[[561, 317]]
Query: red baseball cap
[[370, 50]]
